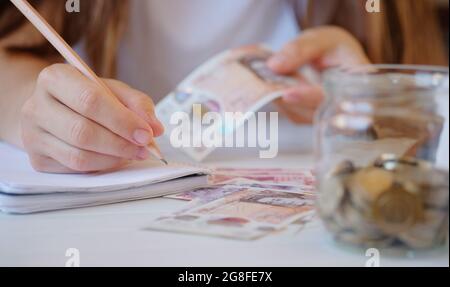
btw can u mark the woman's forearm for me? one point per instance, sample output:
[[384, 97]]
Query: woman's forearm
[[18, 74]]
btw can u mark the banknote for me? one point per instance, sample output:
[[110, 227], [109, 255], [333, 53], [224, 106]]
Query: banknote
[[243, 182], [237, 80], [217, 191], [224, 180], [207, 194], [289, 177], [245, 214]]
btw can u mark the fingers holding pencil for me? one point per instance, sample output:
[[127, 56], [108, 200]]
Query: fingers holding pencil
[[52, 119], [128, 114]]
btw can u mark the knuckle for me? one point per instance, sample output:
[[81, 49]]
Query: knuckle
[[28, 111], [140, 99], [80, 133], [78, 161], [46, 75], [89, 100], [50, 73]]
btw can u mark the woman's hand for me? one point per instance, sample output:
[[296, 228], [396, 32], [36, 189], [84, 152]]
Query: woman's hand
[[321, 48], [70, 125]]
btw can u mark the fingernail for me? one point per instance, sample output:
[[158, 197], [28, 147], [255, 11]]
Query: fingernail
[[143, 137], [142, 154], [277, 61]]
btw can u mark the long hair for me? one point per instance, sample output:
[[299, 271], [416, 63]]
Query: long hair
[[99, 24], [404, 31]]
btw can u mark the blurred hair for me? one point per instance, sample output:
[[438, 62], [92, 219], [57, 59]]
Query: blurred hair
[[404, 31], [99, 24]]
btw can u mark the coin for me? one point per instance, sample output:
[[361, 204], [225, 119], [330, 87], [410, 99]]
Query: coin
[[393, 201], [396, 210], [367, 184], [431, 183]]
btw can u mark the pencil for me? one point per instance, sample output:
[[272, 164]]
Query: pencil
[[68, 53]]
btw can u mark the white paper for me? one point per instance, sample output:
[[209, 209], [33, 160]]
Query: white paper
[[23, 190], [18, 177]]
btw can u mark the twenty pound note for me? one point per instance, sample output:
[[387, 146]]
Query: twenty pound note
[[236, 82]]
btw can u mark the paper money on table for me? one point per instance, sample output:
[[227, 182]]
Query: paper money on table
[[207, 194], [244, 182], [280, 176], [276, 179], [237, 80], [245, 214]]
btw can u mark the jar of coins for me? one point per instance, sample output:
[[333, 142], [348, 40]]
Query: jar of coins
[[382, 148]]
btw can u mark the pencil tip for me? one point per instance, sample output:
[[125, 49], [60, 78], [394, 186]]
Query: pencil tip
[[164, 161]]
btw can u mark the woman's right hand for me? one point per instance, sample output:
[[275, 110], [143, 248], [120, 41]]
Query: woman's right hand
[[69, 125]]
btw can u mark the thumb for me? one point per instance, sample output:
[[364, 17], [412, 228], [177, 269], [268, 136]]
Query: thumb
[[314, 44], [306, 48]]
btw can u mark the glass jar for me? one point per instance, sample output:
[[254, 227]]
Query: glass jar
[[382, 156]]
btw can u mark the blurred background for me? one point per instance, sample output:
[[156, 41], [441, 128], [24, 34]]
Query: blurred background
[[443, 6]]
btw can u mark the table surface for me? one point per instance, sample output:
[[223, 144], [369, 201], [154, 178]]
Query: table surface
[[114, 235]]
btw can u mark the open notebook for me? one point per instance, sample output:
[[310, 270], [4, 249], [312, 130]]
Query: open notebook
[[23, 190]]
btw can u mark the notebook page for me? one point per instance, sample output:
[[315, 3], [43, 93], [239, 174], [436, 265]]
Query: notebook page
[[18, 177]]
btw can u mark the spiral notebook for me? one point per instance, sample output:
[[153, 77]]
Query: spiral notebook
[[23, 190]]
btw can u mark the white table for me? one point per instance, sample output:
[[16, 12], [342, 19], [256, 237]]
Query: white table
[[113, 235]]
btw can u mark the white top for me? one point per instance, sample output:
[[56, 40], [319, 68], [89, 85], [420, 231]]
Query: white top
[[167, 39]]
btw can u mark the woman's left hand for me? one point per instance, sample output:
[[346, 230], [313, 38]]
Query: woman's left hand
[[321, 48]]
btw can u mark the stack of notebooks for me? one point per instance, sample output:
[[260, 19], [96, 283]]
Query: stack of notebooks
[[23, 190]]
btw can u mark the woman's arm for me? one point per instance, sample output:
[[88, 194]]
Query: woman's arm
[[18, 74], [66, 123]]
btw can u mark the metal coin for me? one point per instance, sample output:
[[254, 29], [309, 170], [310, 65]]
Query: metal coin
[[367, 184], [397, 210]]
